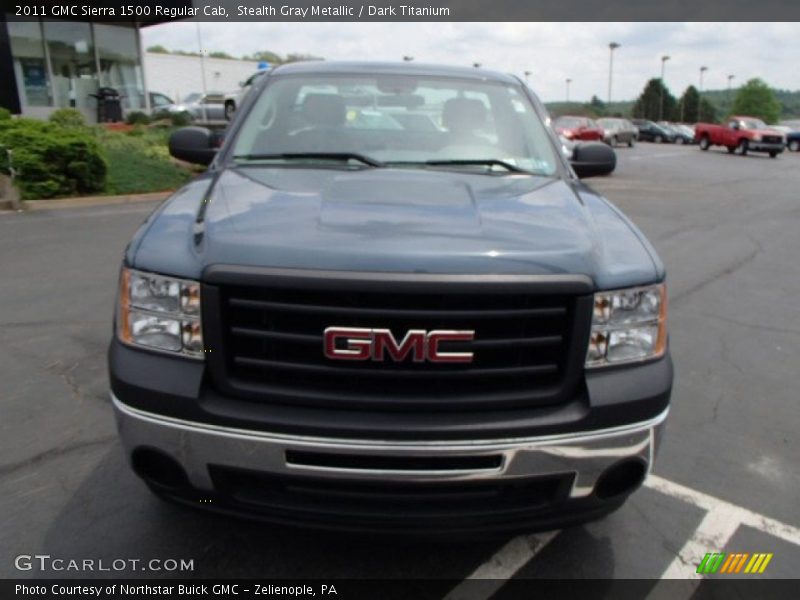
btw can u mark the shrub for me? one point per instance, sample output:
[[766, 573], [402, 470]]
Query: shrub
[[5, 114], [53, 160], [181, 119], [137, 118], [68, 117]]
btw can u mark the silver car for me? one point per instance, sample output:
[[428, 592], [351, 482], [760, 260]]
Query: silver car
[[618, 131]]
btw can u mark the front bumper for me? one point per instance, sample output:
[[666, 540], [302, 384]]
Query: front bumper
[[358, 483], [765, 147]]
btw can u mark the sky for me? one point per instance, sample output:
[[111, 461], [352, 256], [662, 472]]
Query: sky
[[551, 52]]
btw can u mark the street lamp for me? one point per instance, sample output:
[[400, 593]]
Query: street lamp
[[527, 75], [730, 77], [408, 58], [664, 60], [476, 65], [702, 72], [568, 80], [611, 47]]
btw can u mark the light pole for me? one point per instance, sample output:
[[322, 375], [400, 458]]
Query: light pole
[[664, 60], [568, 80], [476, 65], [408, 58], [730, 77], [702, 72], [527, 75], [611, 47]]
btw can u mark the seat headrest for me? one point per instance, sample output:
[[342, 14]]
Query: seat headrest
[[463, 113], [324, 109]]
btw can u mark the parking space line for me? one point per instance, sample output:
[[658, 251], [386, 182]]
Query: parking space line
[[501, 566], [713, 534], [740, 514]]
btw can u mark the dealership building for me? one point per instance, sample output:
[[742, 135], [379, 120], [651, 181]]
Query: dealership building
[[47, 64]]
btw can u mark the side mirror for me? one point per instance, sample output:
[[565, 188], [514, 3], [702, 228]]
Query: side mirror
[[593, 159], [196, 145]]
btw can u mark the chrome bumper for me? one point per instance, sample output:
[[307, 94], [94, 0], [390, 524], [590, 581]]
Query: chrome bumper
[[197, 445]]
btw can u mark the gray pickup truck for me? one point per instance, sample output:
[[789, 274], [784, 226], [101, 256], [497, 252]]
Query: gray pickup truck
[[391, 304]]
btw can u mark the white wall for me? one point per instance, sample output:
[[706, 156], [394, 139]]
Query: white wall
[[176, 76]]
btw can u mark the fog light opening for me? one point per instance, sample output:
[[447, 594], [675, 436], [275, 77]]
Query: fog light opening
[[159, 469], [622, 478]]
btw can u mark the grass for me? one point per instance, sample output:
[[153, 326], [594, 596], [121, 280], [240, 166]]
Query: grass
[[139, 162]]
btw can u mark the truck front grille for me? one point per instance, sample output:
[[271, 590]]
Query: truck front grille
[[267, 344]]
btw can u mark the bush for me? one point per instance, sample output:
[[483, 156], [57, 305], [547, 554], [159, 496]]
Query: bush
[[5, 114], [137, 118], [68, 117], [54, 160], [181, 119]]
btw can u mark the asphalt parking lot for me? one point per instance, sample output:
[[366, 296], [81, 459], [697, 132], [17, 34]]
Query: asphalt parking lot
[[727, 478]]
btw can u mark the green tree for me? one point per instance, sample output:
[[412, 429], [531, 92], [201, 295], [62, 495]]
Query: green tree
[[158, 49], [298, 56], [219, 54], [756, 99], [689, 105], [648, 105], [267, 56], [706, 113]]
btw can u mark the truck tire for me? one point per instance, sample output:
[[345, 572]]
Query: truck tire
[[632, 141], [731, 149], [705, 143], [773, 153], [794, 145], [742, 147]]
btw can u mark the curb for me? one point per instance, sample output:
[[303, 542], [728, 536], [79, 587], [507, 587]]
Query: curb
[[93, 201]]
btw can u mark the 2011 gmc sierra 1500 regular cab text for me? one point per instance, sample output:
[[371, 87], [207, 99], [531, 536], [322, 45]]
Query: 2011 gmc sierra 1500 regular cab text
[[390, 304]]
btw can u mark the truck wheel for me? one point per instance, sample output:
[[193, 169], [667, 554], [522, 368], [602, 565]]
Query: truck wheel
[[630, 143], [773, 153], [742, 147], [794, 145], [731, 149], [705, 143], [658, 139]]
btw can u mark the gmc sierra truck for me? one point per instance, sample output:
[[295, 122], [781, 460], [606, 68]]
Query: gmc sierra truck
[[354, 321], [742, 135]]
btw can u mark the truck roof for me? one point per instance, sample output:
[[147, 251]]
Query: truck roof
[[392, 68]]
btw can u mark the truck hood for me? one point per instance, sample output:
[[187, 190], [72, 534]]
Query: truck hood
[[393, 220]]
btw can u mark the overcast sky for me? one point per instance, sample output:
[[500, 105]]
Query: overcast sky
[[552, 52]]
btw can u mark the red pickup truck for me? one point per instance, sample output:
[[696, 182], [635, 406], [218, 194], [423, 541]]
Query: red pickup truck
[[742, 135]]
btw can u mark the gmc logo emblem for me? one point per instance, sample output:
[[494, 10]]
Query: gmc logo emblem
[[354, 343]]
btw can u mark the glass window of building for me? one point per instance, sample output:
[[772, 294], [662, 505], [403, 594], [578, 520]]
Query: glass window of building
[[73, 64], [118, 53], [30, 65]]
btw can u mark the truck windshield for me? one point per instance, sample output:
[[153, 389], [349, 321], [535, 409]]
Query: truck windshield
[[397, 121], [753, 124]]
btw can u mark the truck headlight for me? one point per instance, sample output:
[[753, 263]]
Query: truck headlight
[[628, 326], [159, 313]]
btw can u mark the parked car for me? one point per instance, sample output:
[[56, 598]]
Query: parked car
[[389, 329], [160, 102], [234, 99], [653, 132], [199, 108], [683, 134], [741, 134], [793, 140], [618, 131], [578, 128]]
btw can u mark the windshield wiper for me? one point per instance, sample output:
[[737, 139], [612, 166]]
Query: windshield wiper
[[312, 155], [489, 162]]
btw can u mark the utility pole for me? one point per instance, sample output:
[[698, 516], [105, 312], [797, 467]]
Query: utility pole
[[527, 75], [611, 47], [664, 60], [730, 77], [568, 80], [702, 72], [202, 73], [408, 58]]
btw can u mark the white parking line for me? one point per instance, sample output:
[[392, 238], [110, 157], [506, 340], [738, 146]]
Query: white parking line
[[492, 574], [715, 530]]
